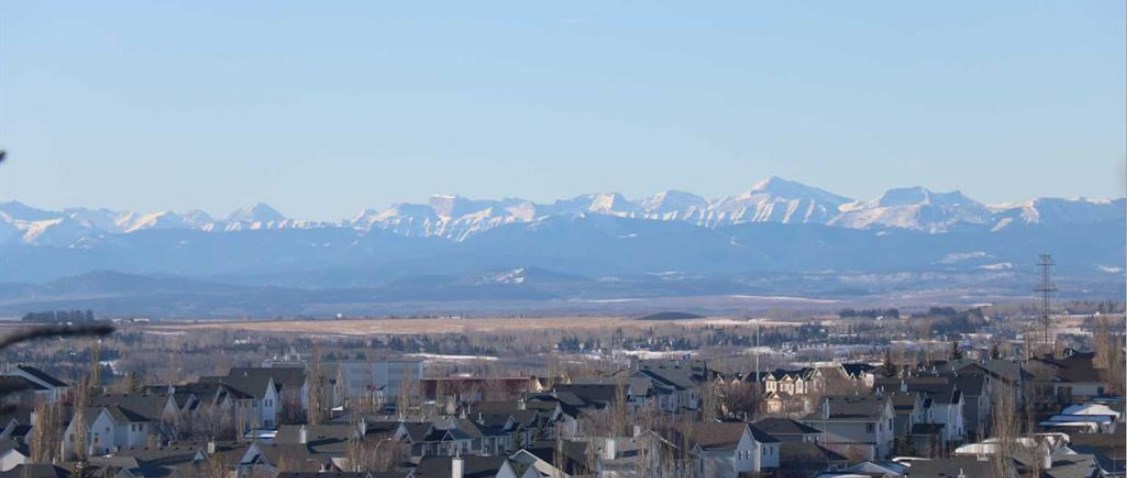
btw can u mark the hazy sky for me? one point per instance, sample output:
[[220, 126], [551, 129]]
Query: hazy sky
[[323, 108]]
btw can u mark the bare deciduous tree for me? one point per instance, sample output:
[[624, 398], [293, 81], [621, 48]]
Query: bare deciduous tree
[[1004, 429], [46, 434], [316, 380]]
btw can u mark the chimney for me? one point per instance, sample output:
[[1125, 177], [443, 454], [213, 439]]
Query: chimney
[[211, 446], [457, 467], [303, 435], [1046, 453], [609, 450]]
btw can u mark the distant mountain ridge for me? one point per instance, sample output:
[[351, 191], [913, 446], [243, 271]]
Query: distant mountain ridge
[[773, 200], [779, 238]]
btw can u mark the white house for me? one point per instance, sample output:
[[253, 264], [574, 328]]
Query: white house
[[107, 429]]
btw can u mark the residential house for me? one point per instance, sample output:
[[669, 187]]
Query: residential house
[[942, 402], [543, 459], [675, 383], [857, 426], [120, 421], [311, 453], [729, 448], [256, 398], [362, 379], [790, 391], [1075, 377], [107, 429], [437, 438]]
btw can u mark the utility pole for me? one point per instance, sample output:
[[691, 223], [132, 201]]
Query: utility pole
[[1046, 288]]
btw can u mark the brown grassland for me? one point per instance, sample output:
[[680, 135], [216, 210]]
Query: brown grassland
[[425, 325]]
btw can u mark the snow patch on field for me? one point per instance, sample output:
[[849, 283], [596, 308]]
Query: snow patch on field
[[453, 358], [652, 354], [783, 298]]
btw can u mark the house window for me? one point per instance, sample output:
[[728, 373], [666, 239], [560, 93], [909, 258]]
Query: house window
[[869, 428]]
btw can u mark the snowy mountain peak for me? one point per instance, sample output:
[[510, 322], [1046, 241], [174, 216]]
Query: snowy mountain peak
[[673, 201], [453, 206], [772, 200], [920, 196], [915, 208], [777, 187], [19, 210], [610, 203], [258, 213]]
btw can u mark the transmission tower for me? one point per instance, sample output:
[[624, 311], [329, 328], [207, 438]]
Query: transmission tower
[[1046, 288]]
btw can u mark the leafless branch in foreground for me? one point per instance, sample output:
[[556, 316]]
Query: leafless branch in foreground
[[56, 331]]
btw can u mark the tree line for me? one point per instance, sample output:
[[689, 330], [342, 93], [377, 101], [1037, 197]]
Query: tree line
[[60, 316]]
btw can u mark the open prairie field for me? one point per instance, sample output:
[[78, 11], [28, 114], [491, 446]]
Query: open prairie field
[[493, 325], [410, 326]]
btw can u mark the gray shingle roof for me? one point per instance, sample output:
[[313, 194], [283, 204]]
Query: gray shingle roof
[[473, 466], [852, 407], [784, 426], [43, 376], [133, 407]]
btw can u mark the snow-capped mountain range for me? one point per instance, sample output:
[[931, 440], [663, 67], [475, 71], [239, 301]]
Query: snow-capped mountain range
[[773, 200]]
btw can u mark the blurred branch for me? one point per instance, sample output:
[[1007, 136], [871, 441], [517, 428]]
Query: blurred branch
[[57, 331]]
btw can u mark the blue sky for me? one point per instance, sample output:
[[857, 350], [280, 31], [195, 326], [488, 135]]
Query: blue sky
[[324, 108]]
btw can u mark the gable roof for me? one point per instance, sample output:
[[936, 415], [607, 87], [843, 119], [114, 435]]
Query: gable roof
[[28, 470], [41, 376], [417, 431], [808, 455], [301, 457], [17, 383], [248, 385], [597, 395], [472, 466], [851, 407], [716, 436], [574, 455], [858, 369], [132, 407], [784, 426], [291, 434], [672, 374], [904, 402], [283, 376]]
